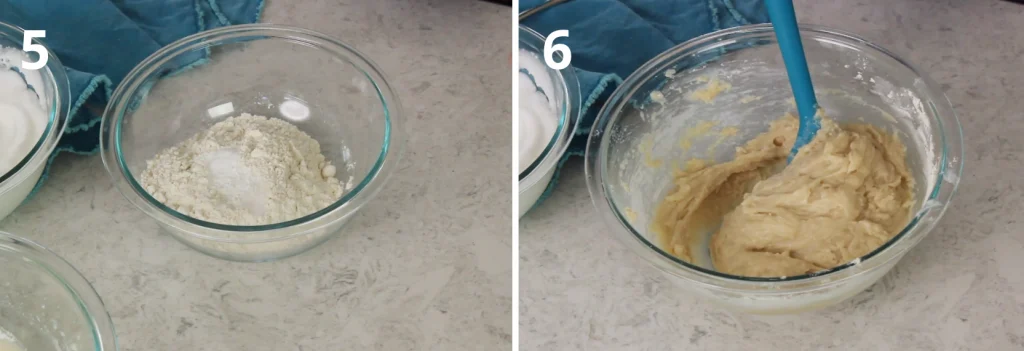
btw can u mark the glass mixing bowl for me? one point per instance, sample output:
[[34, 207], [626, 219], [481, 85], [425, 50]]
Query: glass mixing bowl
[[650, 125], [324, 87], [534, 178], [45, 304], [51, 85]]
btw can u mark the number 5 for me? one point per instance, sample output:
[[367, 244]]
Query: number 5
[[549, 50], [36, 48]]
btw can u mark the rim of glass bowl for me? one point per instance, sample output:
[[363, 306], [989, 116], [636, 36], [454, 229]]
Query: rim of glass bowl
[[90, 303], [533, 41], [59, 107], [948, 128], [389, 155]]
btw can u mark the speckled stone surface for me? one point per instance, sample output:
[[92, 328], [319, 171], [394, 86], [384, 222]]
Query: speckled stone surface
[[426, 266], [962, 288]]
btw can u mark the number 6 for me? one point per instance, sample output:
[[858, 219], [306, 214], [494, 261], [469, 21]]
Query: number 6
[[549, 50], [36, 48]]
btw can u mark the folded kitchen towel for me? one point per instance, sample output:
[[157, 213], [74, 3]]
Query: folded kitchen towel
[[609, 39], [100, 41]]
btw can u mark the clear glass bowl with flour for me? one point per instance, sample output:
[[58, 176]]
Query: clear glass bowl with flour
[[549, 106], [45, 304], [263, 150], [33, 108], [700, 100]]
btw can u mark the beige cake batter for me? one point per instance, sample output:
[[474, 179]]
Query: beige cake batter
[[845, 194]]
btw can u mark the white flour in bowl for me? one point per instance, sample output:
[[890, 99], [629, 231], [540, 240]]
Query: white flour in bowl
[[245, 170]]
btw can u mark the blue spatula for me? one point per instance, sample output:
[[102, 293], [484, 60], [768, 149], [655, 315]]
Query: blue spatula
[[783, 18]]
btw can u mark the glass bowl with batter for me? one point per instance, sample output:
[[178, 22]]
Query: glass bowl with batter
[[20, 173], [45, 304], [325, 88], [706, 102]]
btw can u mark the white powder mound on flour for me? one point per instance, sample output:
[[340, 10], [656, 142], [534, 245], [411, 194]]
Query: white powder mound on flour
[[245, 170]]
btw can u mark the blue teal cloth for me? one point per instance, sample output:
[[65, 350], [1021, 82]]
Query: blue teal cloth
[[609, 39], [100, 41]]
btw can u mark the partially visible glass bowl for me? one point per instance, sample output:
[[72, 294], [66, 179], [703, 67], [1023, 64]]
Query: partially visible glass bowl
[[648, 117], [344, 100], [536, 175], [54, 93], [45, 304]]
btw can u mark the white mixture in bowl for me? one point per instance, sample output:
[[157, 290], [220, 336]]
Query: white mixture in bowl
[[245, 170], [22, 114], [538, 118]]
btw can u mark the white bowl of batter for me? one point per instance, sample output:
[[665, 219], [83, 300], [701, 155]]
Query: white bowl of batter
[[549, 105], [687, 164], [33, 108]]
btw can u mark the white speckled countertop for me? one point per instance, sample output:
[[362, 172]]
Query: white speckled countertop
[[962, 288], [426, 266]]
